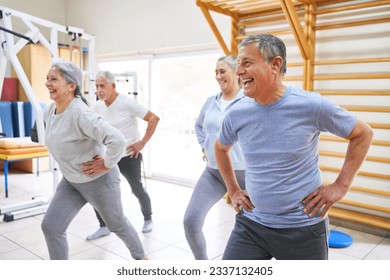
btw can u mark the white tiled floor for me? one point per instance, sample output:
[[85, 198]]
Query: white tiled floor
[[22, 239]]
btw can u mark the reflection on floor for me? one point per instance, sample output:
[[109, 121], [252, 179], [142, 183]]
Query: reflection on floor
[[23, 239]]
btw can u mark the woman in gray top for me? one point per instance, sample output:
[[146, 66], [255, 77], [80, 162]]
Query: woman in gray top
[[75, 134]]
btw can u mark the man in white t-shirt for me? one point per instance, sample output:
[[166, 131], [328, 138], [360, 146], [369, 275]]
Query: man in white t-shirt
[[123, 112]]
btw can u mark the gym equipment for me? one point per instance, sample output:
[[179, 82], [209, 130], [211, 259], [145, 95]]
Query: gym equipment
[[8, 51], [124, 77], [338, 239]]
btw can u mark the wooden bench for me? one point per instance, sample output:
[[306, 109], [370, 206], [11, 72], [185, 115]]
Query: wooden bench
[[18, 149]]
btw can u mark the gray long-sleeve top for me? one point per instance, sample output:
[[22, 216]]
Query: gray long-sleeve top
[[79, 134]]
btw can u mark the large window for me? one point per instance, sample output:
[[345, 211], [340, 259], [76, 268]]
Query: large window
[[175, 88]]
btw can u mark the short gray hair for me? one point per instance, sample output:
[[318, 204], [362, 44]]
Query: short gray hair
[[106, 74], [269, 47]]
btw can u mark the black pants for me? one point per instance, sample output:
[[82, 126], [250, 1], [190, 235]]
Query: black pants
[[130, 168], [252, 241]]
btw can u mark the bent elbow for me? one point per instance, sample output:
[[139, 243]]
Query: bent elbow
[[368, 133]]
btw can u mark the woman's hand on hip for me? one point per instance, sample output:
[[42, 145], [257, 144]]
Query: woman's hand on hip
[[94, 167]]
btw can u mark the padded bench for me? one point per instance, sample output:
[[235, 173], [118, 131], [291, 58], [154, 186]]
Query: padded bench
[[17, 149]]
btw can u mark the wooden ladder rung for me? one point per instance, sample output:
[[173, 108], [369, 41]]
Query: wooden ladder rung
[[358, 217]]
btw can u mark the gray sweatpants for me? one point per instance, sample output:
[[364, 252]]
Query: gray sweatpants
[[105, 196], [209, 189]]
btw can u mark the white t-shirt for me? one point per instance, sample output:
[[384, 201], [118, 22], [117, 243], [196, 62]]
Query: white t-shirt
[[225, 103], [122, 114]]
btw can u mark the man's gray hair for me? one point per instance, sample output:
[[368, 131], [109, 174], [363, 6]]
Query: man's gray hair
[[269, 47], [106, 74]]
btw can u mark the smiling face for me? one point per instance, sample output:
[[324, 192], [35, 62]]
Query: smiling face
[[225, 76], [253, 71], [59, 89]]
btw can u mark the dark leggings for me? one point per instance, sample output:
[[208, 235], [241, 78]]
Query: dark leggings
[[130, 168]]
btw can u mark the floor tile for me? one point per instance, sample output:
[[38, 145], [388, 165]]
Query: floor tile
[[23, 239], [7, 245], [95, 253], [380, 252], [171, 253], [19, 254]]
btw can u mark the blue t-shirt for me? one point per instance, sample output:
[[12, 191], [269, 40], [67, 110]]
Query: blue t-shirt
[[279, 142]]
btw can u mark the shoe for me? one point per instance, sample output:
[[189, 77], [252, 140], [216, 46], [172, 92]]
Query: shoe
[[148, 226], [102, 231]]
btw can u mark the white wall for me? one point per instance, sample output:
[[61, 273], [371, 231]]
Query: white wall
[[131, 26], [128, 27], [52, 10]]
